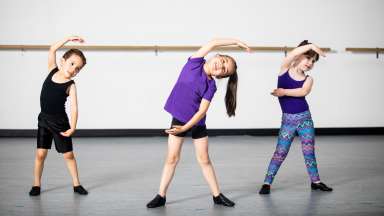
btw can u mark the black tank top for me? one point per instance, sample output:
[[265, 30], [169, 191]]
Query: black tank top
[[54, 95]]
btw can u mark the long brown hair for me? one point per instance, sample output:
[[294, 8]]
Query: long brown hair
[[231, 94]]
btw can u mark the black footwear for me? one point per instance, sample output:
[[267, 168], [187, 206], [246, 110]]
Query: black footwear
[[222, 200], [265, 189], [156, 202], [80, 190], [320, 186], [35, 191]]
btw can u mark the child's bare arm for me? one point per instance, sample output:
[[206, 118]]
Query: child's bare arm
[[297, 92], [176, 129], [292, 55], [54, 47], [74, 111], [205, 49]]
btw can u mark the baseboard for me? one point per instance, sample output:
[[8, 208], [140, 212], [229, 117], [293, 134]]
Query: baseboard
[[211, 132]]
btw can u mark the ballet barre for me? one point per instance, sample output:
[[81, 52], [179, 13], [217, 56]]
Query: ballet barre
[[376, 50], [156, 48]]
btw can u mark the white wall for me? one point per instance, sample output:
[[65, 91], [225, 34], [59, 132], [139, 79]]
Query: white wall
[[129, 89]]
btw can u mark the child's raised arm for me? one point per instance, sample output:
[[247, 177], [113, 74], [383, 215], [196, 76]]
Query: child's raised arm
[[54, 47], [205, 49], [296, 52]]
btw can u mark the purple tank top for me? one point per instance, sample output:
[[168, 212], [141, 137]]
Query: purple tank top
[[290, 104]]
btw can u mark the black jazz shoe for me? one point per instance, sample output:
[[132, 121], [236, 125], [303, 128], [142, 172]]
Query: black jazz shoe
[[320, 186], [157, 202], [35, 191], [222, 200], [265, 189], [80, 190]]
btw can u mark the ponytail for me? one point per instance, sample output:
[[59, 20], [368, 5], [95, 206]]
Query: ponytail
[[230, 96]]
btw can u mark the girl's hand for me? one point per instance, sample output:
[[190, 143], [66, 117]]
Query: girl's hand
[[318, 50], [75, 39], [176, 129], [244, 46], [279, 92], [68, 132]]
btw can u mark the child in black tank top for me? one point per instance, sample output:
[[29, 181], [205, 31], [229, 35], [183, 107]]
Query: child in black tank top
[[53, 122]]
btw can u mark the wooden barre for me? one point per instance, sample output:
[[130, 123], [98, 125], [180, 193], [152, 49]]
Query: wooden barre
[[145, 48], [376, 50], [373, 50]]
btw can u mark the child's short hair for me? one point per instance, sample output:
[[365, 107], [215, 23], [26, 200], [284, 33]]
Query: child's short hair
[[77, 52], [310, 53]]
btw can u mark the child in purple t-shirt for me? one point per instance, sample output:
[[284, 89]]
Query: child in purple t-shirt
[[188, 104]]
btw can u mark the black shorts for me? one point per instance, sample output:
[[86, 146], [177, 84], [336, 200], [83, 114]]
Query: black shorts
[[198, 131], [49, 128]]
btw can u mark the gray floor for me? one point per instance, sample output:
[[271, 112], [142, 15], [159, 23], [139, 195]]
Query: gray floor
[[122, 175]]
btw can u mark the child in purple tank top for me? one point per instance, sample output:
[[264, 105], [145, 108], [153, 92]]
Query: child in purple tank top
[[293, 86], [188, 104]]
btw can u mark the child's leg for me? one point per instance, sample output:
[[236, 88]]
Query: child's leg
[[173, 156], [306, 133], [72, 167], [286, 134], [202, 156], [41, 154]]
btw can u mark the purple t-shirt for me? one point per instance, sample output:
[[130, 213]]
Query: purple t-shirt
[[191, 87]]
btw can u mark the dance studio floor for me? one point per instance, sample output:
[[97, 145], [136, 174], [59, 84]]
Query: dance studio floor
[[123, 174]]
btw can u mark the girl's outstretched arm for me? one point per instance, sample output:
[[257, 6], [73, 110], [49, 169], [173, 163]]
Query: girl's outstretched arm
[[204, 105], [74, 111], [297, 92], [205, 49], [54, 47], [296, 52]]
